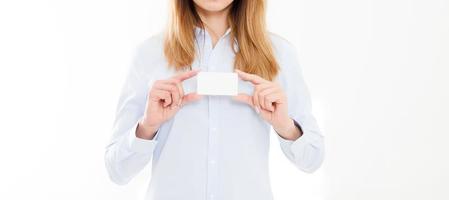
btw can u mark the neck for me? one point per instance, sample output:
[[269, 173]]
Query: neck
[[216, 23]]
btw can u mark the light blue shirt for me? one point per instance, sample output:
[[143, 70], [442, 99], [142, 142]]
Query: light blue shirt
[[215, 148]]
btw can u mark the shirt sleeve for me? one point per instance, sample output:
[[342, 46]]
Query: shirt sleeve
[[126, 155], [306, 152]]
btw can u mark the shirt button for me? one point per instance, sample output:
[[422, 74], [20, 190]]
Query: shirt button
[[211, 196], [214, 129], [212, 162]]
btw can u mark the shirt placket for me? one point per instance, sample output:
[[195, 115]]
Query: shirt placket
[[212, 155]]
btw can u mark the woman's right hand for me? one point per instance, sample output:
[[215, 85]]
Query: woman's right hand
[[165, 98]]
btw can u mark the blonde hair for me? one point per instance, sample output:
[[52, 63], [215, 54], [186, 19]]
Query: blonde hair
[[247, 22]]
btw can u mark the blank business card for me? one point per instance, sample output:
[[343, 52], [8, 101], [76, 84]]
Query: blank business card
[[217, 83]]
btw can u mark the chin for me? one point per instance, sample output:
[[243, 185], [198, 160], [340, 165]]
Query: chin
[[213, 5]]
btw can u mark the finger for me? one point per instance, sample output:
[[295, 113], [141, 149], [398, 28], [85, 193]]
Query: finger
[[273, 98], [250, 77], [186, 75], [258, 97], [176, 99], [244, 98], [158, 94], [163, 95], [191, 97], [173, 89], [263, 96], [178, 84], [180, 90], [170, 87], [270, 99]]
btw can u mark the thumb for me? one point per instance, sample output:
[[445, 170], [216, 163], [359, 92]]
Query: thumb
[[188, 98], [244, 98]]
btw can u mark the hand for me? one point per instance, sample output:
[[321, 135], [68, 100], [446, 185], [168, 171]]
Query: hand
[[270, 101], [165, 98]]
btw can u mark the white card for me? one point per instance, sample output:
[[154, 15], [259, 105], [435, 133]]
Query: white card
[[217, 83]]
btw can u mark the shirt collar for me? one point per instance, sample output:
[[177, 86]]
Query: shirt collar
[[199, 30]]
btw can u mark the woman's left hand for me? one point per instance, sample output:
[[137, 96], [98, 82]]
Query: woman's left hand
[[270, 101]]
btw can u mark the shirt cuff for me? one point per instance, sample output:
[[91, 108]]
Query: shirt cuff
[[140, 145], [298, 143]]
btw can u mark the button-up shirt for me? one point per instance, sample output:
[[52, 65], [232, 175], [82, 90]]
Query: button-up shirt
[[215, 148]]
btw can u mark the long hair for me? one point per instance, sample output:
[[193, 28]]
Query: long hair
[[254, 53]]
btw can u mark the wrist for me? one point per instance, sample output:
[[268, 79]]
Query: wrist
[[288, 130], [146, 131]]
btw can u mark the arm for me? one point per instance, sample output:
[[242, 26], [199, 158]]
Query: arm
[[127, 154], [290, 116], [306, 151], [140, 113]]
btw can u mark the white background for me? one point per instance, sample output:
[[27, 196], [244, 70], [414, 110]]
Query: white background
[[377, 71]]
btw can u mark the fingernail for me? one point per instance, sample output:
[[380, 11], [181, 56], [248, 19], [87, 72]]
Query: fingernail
[[257, 110]]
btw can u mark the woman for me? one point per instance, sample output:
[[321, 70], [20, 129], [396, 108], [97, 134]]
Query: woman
[[212, 147]]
